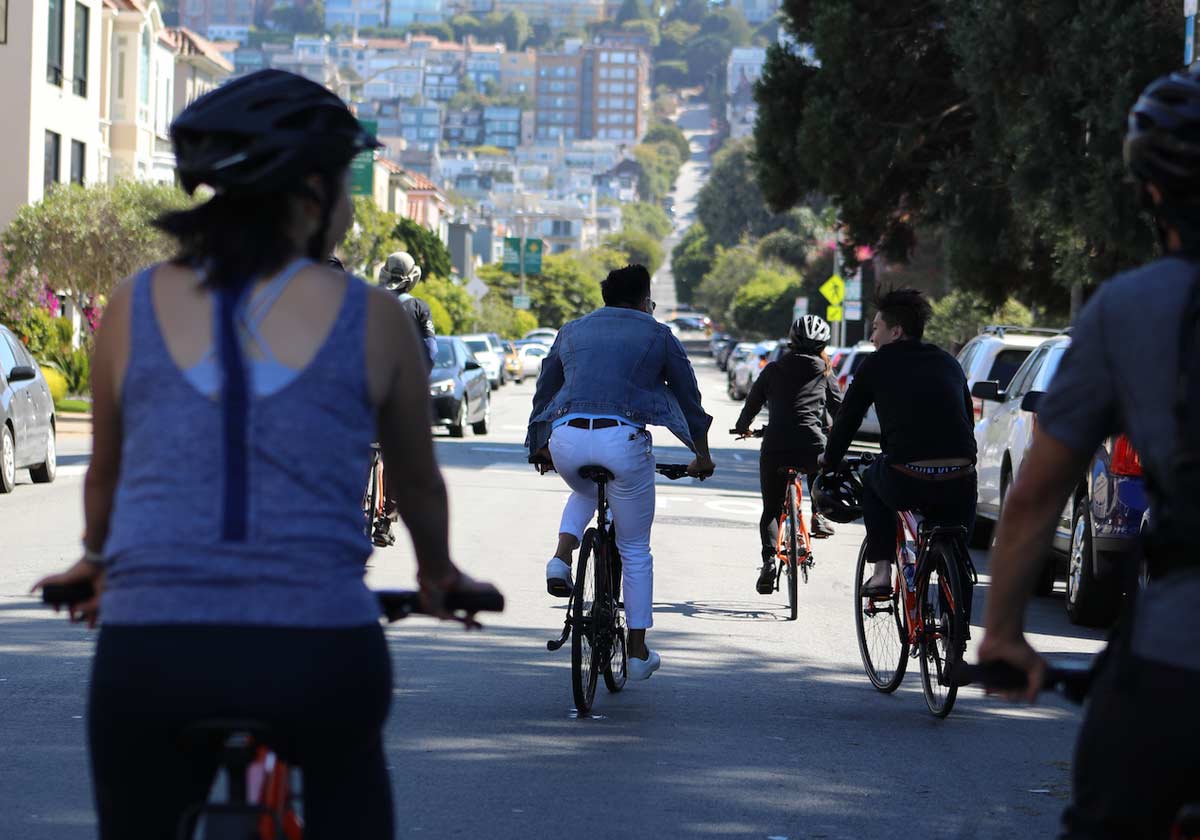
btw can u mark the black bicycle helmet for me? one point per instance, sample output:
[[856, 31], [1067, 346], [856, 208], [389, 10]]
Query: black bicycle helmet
[[838, 495], [264, 132], [1162, 142]]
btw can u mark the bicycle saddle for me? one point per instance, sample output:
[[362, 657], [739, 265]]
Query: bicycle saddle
[[592, 472]]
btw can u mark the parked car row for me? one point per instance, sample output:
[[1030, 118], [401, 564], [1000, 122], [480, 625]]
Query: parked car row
[[27, 421], [1095, 543]]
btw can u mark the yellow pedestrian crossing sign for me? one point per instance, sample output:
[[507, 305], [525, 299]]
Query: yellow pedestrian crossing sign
[[833, 314], [834, 291]]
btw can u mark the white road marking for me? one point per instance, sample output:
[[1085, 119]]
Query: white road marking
[[508, 450]]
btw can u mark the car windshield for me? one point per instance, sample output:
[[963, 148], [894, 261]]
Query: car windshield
[[445, 354], [477, 345], [1006, 363]]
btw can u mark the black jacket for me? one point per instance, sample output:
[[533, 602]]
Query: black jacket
[[419, 311], [798, 394], [920, 394]]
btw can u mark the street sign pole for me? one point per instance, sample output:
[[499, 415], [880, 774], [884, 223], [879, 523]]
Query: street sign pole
[[521, 255]]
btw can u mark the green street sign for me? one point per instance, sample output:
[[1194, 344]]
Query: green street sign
[[362, 168], [533, 255]]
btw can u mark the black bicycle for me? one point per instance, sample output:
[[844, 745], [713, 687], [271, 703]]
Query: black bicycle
[[595, 621], [261, 797]]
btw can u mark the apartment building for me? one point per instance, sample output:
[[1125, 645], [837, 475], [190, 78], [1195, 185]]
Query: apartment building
[[557, 14], [199, 67], [141, 103], [599, 91], [502, 126], [518, 72], [393, 13], [421, 125], [559, 97], [51, 96]]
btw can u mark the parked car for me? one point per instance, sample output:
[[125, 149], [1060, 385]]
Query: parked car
[[545, 335], [490, 357], [741, 380], [851, 361], [725, 355], [996, 353], [718, 342], [691, 323], [27, 421], [459, 389], [734, 354], [500, 349], [531, 354], [1098, 529], [513, 368]]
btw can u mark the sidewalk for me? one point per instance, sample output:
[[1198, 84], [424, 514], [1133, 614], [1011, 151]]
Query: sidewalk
[[74, 423]]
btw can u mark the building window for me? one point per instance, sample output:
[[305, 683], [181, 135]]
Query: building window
[[54, 46], [53, 153], [80, 60], [78, 153], [144, 69]]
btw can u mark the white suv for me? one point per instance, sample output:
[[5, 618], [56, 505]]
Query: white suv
[[995, 354], [848, 365], [491, 358]]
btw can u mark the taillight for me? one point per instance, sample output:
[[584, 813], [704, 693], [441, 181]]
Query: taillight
[[1125, 460], [842, 381], [762, 363], [978, 404]]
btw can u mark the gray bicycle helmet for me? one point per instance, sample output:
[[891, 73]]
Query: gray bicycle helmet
[[400, 273]]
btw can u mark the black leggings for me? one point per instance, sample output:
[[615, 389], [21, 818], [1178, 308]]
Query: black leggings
[[774, 490], [324, 694]]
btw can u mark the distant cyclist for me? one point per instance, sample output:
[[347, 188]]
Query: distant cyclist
[[798, 391], [608, 376], [927, 430], [237, 389], [400, 274], [1133, 366]]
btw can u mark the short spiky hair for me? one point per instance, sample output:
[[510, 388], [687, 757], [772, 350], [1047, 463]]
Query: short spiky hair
[[627, 286], [904, 308]]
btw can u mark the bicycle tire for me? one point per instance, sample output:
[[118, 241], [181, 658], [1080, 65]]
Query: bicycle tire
[[793, 549], [942, 637], [882, 631], [616, 665], [585, 663]]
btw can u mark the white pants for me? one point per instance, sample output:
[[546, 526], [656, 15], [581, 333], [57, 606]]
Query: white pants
[[628, 454]]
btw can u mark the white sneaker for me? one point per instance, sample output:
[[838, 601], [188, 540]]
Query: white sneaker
[[641, 669], [558, 578]]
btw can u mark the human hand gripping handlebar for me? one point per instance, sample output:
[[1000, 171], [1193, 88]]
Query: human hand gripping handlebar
[[1072, 682]]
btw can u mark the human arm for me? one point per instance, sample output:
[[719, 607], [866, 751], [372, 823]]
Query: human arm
[[681, 379], [549, 383], [755, 399], [833, 397], [427, 331]]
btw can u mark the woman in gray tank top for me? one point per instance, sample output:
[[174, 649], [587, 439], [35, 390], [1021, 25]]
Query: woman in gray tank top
[[237, 390]]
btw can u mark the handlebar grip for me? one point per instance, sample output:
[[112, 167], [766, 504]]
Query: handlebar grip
[[67, 594], [397, 604], [999, 675], [490, 600]]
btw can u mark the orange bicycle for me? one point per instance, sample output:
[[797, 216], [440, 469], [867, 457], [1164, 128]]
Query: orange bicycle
[[793, 546], [377, 526]]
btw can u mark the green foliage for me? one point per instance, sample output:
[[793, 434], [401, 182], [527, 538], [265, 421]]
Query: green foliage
[[37, 330], [512, 29], [666, 132], [731, 205], [660, 164], [440, 30], [75, 366], [961, 314], [497, 315], [763, 307], [640, 246], [424, 246], [673, 74], [673, 38], [598, 262], [633, 10], [688, 11], [308, 18], [691, 259], [731, 269], [443, 324], [648, 218], [56, 382], [457, 302], [648, 28], [464, 25], [83, 240], [370, 239], [562, 292]]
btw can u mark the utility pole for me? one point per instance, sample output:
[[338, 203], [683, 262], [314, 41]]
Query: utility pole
[[521, 251]]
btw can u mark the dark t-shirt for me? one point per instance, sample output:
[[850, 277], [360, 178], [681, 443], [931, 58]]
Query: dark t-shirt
[[1119, 376]]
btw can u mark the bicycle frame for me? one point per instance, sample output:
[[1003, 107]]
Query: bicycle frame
[[781, 551], [373, 501], [910, 529]]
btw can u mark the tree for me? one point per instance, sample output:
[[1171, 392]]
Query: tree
[[307, 18], [647, 28], [673, 37], [424, 246], [731, 269], [465, 26], [497, 315], [633, 10], [689, 11], [691, 259], [731, 204], [763, 307], [83, 240], [454, 299], [673, 74], [512, 29], [440, 30], [562, 292], [961, 314], [667, 132], [370, 239], [640, 246], [648, 218], [660, 165]]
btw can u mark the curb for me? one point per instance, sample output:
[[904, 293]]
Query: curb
[[73, 424]]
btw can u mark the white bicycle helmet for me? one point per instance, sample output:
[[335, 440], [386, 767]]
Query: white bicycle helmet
[[809, 332], [400, 273]]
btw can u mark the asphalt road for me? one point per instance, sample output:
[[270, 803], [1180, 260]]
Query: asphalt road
[[755, 727]]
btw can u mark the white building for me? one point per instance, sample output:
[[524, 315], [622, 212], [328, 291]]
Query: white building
[[51, 98], [142, 98]]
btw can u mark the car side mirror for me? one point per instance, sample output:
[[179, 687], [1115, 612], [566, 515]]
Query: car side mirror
[[472, 365], [22, 373], [1032, 400], [987, 389]]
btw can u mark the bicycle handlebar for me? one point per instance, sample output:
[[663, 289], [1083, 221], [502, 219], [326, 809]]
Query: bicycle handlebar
[[675, 471], [395, 604], [1072, 682], [754, 433]]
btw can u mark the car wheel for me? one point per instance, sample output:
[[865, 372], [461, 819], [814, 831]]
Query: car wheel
[[1090, 601], [8, 460], [481, 428], [44, 472], [459, 427]]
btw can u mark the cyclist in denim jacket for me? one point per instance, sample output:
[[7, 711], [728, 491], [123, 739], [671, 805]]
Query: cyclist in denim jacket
[[608, 376]]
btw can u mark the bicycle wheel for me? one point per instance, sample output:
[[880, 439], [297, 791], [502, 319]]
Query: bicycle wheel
[[585, 663], [882, 629], [793, 549], [616, 663], [943, 626]]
